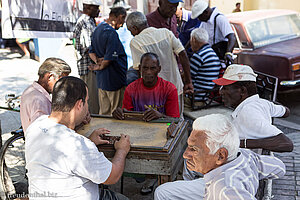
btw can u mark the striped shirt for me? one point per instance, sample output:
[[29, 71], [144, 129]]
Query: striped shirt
[[205, 67], [239, 179]]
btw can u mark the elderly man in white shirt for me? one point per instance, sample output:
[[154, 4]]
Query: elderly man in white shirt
[[163, 43]]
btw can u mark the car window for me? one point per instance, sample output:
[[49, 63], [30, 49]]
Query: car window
[[272, 30]]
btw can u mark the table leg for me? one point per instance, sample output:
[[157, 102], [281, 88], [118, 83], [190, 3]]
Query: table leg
[[163, 179]]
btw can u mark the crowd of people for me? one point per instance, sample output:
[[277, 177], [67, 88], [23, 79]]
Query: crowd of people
[[174, 52]]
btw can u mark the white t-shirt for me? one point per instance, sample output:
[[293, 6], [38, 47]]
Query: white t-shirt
[[253, 118], [223, 27], [61, 163], [163, 43]]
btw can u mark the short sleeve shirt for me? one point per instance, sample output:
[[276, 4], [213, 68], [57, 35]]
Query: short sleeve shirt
[[164, 44], [156, 20], [62, 162], [253, 118], [223, 27], [106, 44], [161, 97], [35, 101]]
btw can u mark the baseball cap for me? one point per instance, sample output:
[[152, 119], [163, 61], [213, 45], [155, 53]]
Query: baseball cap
[[92, 2], [198, 7], [175, 1], [236, 72]]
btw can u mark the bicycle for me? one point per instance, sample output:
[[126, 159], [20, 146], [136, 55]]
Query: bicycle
[[13, 179]]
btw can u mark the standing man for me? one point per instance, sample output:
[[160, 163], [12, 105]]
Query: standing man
[[109, 55], [63, 164], [84, 28], [36, 99], [237, 7], [185, 25], [221, 36], [164, 16], [163, 43]]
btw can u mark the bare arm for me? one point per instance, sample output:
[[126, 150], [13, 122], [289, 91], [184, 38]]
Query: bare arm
[[188, 86], [93, 57], [278, 143], [118, 162], [231, 42], [287, 112]]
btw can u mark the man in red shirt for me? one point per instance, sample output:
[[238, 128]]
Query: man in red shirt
[[150, 94]]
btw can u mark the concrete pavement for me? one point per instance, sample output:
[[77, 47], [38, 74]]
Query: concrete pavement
[[16, 74]]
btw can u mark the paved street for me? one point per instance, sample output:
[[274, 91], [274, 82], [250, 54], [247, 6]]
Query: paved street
[[17, 74]]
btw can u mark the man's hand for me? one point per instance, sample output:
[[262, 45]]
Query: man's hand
[[96, 136], [118, 113], [151, 114], [96, 66], [228, 59], [188, 88], [123, 144]]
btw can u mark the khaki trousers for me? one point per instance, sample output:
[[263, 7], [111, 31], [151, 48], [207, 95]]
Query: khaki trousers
[[110, 100], [90, 80]]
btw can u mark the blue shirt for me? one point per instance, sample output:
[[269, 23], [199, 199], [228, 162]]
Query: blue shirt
[[186, 27], [106, 43]]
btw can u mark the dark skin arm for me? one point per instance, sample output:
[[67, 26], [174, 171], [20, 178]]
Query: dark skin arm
[[118, 113], [188, 86], [231, 42], [100, 62], [278, 143], [287, 112], [151, 114]]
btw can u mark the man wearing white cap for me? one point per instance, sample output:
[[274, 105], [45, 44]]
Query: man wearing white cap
[[84, 28], [221, 36], [252, 115]]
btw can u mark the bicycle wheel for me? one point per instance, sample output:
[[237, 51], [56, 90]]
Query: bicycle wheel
[[13, 173]]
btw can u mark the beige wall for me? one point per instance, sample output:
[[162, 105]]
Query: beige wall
[[226, 6], [272, 4]]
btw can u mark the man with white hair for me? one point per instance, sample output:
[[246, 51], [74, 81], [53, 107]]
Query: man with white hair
[[221, 35], [205, 64], [229, 172]]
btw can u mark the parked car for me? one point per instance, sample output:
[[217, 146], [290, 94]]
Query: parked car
[[269, 41]]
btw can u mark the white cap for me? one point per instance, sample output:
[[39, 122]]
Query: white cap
[[236, 72], [92, 2], [198, 7], [120, 3]]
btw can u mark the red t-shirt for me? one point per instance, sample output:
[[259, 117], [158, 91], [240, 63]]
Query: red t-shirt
[[161, 97]]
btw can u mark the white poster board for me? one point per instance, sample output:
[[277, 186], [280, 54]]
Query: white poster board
[[39, 18]]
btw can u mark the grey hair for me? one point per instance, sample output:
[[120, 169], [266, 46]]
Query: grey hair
[[136, 19], [56, 66], [200, 34], [220, 133]]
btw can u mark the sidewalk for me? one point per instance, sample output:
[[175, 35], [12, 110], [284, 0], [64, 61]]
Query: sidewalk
[[17, 74]]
